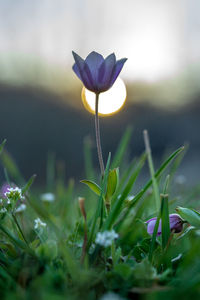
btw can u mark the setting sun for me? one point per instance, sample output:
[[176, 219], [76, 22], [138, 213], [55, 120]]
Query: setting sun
[[110, 101]]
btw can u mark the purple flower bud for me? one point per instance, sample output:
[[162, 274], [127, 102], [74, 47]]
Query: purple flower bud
[[96, 73], [175, 221]]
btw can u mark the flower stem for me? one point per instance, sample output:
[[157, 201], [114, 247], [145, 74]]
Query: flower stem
[[98, 140]]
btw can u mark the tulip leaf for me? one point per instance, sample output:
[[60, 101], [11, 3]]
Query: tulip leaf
[[189, 215], [113, 178], [93, 186]]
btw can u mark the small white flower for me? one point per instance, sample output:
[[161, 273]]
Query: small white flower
[[1, 201], [39, 223], [106, 238], [47, 197], [20, 208], [130, 198], [111, 296], [3, 210], [14, 193]]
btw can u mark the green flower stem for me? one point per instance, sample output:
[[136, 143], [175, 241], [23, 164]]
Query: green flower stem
[[98, 140]]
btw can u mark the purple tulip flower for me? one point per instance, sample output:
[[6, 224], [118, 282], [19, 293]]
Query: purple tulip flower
[[96, 73], [175, 221]]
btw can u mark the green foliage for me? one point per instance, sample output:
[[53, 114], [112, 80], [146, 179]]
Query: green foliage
[[47, 262]]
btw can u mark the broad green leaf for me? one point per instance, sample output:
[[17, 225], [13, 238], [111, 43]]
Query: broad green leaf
[[113, 178], [93, 186], [190, 215], [121, 148]]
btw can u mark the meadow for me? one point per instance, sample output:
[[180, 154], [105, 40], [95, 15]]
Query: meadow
[[91, 241]]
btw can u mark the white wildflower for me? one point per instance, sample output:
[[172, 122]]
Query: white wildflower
[[130, 197], [47, 197], [106, 238], [14, 193], [3, 210], [20, 208], [39, 223], [111, 296]]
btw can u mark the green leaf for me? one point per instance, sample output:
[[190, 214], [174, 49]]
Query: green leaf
[[113, 178], [145, 271], [149, 183], [123, 270], [190, 215], [165, 220], [116, 208], [100, 202], [122, 148], [93, 186]]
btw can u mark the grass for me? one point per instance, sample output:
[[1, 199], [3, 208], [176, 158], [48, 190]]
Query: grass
[[62, 260]]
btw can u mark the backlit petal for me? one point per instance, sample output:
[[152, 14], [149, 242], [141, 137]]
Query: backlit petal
[[118, 67], [94, 61]]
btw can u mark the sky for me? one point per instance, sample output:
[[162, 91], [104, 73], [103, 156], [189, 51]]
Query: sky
[[160, 38]]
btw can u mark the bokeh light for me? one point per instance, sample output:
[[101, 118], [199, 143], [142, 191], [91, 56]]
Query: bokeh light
[[110, 101]]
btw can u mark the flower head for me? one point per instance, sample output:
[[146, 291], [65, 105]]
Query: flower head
[[13, 194], [39, 224], [96, 73], [106, 238], [175, 222]]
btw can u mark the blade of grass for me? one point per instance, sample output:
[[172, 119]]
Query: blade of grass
[[121, 149], [157, 174], [28, 184], [152, 172], [100, 203], [116, 208], [165, 226]]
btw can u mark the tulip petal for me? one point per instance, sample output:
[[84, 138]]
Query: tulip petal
[[117, 69], [94, 61], [106, 70], [79, 69], [76, 70]]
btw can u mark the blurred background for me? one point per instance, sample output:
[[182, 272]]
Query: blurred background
[[41, 112]]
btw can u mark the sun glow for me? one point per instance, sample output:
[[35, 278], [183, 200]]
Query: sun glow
[[110, 101]]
